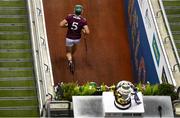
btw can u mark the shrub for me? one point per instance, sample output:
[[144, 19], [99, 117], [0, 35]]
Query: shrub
[[155, 89], [158, 89], [87, 89], [148, 90], [140, 87], [68, 90], [65, 91], [168, 90]]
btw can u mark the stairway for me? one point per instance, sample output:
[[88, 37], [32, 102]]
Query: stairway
[[172, 9], [18, 96]]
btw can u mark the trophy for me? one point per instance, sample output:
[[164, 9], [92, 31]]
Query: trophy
[[123, 92]]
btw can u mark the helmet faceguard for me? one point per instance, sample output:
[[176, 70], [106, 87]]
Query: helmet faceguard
[[78, 9]]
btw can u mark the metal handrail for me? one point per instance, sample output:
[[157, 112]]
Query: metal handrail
[[42, 63], [37, 71], [161, 44], [170, 33], [46, 42]]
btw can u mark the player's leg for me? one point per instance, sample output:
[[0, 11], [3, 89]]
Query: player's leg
[[69, 58], [69, 48], [74, 48], [69, 45], [75, 43], [69, 53]]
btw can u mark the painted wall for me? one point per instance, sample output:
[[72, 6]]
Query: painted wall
[[148, 59], [144, 64]]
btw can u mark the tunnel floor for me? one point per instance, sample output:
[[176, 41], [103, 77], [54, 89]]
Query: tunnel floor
[[107, 59]]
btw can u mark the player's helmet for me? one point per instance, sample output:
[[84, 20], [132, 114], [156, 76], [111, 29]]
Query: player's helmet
[[78, 9]]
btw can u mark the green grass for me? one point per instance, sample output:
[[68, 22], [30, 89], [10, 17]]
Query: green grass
[[15, 55], [16, 64], [172, 11], [14, 28], [172, 19], [13, 12], [177, 45], [175, 27], [176, 42], [19, 113], [15, 46], [17, 93], [27, 73], [9, 55], [14, 20], [15, 41], [20, 83], [15, 37], [34, 112], [176, 37], [13, 103], [20, 3], [171, 3]]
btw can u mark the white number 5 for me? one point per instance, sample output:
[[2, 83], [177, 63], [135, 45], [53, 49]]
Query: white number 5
[[74, 26]]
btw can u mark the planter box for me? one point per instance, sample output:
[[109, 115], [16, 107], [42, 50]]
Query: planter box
[[88, 106], [59, 109], [93, 106], [152, 106]]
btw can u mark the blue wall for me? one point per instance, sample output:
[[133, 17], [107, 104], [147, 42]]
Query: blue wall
[[143, 65]]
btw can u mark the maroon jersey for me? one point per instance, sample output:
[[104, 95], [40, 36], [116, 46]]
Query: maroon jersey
[[75, 25]]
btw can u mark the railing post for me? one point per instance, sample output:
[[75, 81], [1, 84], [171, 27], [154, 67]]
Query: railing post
[[167, 37], [39, 11], [174, 67], [158, 12]]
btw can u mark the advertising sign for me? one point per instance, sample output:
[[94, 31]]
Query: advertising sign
[[144, 65]]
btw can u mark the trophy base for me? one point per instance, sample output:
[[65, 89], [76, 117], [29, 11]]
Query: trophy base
[[122, 107]]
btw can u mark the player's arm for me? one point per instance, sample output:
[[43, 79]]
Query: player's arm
[[85, 29], [63, 23]]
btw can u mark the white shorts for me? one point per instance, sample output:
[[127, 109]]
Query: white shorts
[[71, 42]]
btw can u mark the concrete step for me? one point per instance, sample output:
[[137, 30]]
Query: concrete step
[[16, 73], [17, 88], [18, 83], [3, 42], [13, 33], [16, 47], [17, 93], [16, 50], [20, 113], [19, 108], [11, 55], [11, 8], [171, 2], [176, 32], [19, 103], [13, 24], [16, 78], [19, 98], [15, 68], [14, 20], [17, 60], [16, 64], [16, 36], [12, 3], [13, 16]]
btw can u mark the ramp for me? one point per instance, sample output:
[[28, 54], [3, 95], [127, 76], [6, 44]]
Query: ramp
[[108, 57]]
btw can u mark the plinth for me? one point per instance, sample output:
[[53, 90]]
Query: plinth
[[110, 110]]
